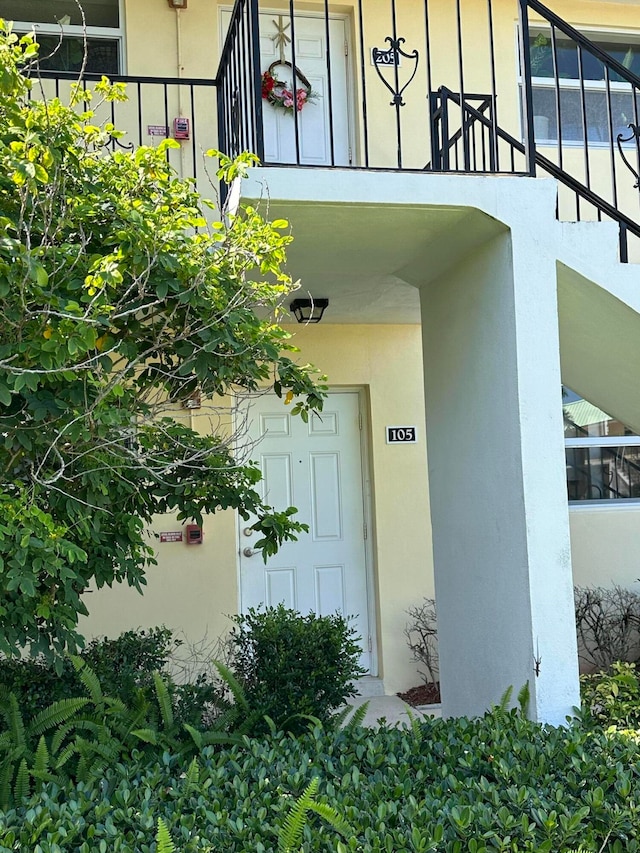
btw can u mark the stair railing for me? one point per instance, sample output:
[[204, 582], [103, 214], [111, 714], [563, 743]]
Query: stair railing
[[587, 115], [602, 207], [445, 146]]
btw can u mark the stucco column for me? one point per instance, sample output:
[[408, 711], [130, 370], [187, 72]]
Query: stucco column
[[496, 479]]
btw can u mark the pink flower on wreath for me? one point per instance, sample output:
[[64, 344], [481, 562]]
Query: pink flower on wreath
[[276, 93]]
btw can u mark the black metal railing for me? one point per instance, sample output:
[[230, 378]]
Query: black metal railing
[[582, 114], [477, 125], [597, 472], [156, 108], [374, 75], [239, 111], [477, 144]]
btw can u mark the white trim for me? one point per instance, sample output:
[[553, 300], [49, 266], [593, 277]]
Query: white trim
[[67, 29], [613, 505], [589, 31], [603, 441], [568, 83]]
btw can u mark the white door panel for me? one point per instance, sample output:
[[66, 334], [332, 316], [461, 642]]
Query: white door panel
[[314, 122], [316, 467]]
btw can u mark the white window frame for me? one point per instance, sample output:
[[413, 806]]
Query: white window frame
[[113, 33], [603, 441], [597, 35]]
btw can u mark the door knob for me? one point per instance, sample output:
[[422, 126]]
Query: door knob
[[249, 552]]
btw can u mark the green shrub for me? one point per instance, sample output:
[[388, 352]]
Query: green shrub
[[129, 661], [291, 664], [612, 698], [501, 784], [123, 666], [36, 684]]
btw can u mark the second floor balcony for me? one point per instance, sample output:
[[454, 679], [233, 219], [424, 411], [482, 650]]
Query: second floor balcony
[[499, 87]]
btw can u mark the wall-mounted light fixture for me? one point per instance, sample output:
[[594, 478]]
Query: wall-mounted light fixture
[[178, 4], [308, 310]]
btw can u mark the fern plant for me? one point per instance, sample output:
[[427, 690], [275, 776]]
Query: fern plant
[[164, 842], [25, 756], [77, 739], [290, 835], [502, 710], [355, 718]]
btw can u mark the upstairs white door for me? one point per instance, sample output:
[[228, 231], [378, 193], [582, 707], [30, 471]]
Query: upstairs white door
[[315, 130], [316, 467]]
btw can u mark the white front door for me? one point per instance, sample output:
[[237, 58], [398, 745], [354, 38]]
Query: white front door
[[316, 467], [315, 119]]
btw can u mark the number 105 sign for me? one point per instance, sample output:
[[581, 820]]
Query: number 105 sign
[[401, 435]]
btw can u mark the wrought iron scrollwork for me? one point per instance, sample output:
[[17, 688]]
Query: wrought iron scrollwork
[[395, 51], [112, 141], [635, 134]]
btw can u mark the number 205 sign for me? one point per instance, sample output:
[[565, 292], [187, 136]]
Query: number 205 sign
[[401, 435]]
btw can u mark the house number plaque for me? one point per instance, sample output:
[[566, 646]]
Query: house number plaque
[[390, 57], [401, 435]]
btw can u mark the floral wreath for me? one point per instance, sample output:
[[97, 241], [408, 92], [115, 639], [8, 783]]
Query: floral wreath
[[280, 94]]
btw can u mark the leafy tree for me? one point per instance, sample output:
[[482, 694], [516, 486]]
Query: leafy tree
[[119, 301]]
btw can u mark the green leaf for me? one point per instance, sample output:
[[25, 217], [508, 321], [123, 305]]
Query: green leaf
[[5, 395]]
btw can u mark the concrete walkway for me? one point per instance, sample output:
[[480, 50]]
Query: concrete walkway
[[390, 708]]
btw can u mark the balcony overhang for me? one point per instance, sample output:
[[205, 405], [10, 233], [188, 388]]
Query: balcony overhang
[[368, 240]]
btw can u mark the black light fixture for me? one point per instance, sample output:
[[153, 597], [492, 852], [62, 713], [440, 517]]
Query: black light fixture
[[309, 310]]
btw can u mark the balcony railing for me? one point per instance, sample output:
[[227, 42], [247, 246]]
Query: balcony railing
[[150, 113], [439, 87], [408, 86], [374, 71]]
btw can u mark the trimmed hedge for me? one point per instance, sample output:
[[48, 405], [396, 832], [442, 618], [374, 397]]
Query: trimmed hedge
[[457, 786]]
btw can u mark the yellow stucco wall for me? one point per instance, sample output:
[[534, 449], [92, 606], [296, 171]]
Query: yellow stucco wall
[[605, 546], [152, 30], [195, 587]]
